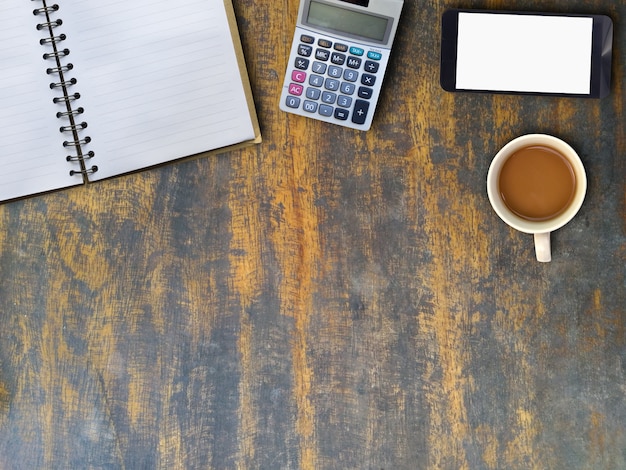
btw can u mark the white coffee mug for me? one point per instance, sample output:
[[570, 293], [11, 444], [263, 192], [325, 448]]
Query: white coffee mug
[[539, 228]]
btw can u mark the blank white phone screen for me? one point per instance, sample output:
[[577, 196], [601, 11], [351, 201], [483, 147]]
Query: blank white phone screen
[[527, 53]]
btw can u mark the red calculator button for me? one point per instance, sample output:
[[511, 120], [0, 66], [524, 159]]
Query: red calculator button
[[295, 89], [298, 76]]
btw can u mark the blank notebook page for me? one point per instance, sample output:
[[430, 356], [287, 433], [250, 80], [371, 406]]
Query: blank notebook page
[[158, 80], [32, 157]]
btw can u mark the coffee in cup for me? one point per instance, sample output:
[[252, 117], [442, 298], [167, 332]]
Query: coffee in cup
[[536, 184]]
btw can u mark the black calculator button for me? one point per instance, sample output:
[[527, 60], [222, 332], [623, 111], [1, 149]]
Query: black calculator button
[[341, 114], [371, 66], [304, 50], [359, 115], [301, 63], [365, 92], [354, 62], [341, 47], [338, 59], [367, 79], [307, 39], [322, 54]]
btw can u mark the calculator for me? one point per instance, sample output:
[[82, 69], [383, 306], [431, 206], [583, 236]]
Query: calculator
[[338, 59]]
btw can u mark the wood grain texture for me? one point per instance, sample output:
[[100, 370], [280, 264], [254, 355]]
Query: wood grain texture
[[329, 299]]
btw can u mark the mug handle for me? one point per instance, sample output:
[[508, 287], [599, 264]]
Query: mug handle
[[542, 247]]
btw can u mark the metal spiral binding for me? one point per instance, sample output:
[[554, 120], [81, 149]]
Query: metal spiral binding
[[73, 127]]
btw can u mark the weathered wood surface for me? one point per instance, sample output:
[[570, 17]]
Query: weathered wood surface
[[329, 299]]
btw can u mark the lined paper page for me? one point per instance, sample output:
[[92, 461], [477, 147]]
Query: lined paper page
[[158, 79], [32, 157]]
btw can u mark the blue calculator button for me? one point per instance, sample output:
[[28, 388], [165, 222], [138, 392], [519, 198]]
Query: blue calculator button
[[356, 51], [292, 101], [309, 106], [326, 110], [374, 55]]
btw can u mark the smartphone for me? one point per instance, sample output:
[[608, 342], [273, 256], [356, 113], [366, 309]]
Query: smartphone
[[526, 53], [339, 54]]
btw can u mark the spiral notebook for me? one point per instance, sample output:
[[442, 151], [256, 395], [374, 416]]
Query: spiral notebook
[[93, 90]]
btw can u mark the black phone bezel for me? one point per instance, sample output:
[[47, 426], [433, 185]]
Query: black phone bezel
[[601, 53]]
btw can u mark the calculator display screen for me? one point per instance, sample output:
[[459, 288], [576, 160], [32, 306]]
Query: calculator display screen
[[352, 22]]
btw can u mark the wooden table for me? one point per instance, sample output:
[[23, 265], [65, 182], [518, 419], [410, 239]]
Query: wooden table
[[329, 299]]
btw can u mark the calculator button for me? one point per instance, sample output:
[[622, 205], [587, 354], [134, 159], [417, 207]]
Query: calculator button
[[347, 88], [301, 63], [298, 76], [354, 62], [341, 114], [316, 80], [295, 89], [313, 93], [374, 55], [344, 101], [356, 51], [319, 67], [341, 47], [324, 43], [308, 39], [326, 110], [309, 106], [360, 111], [304, 51], [331, 84], [367, 79], [335, 72], [365, 92], [350, 75], [328, 97], [371, 67], [322, 54], [338, 59], [292, 102]]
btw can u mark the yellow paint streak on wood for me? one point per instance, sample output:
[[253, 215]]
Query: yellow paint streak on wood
[[295, 237], [246, 283], [449, 236]]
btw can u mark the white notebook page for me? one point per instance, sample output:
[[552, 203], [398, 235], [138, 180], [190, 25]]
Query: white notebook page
[[158, 79], [32, 157]]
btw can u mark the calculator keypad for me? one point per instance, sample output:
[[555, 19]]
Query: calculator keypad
[[332, 80]]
